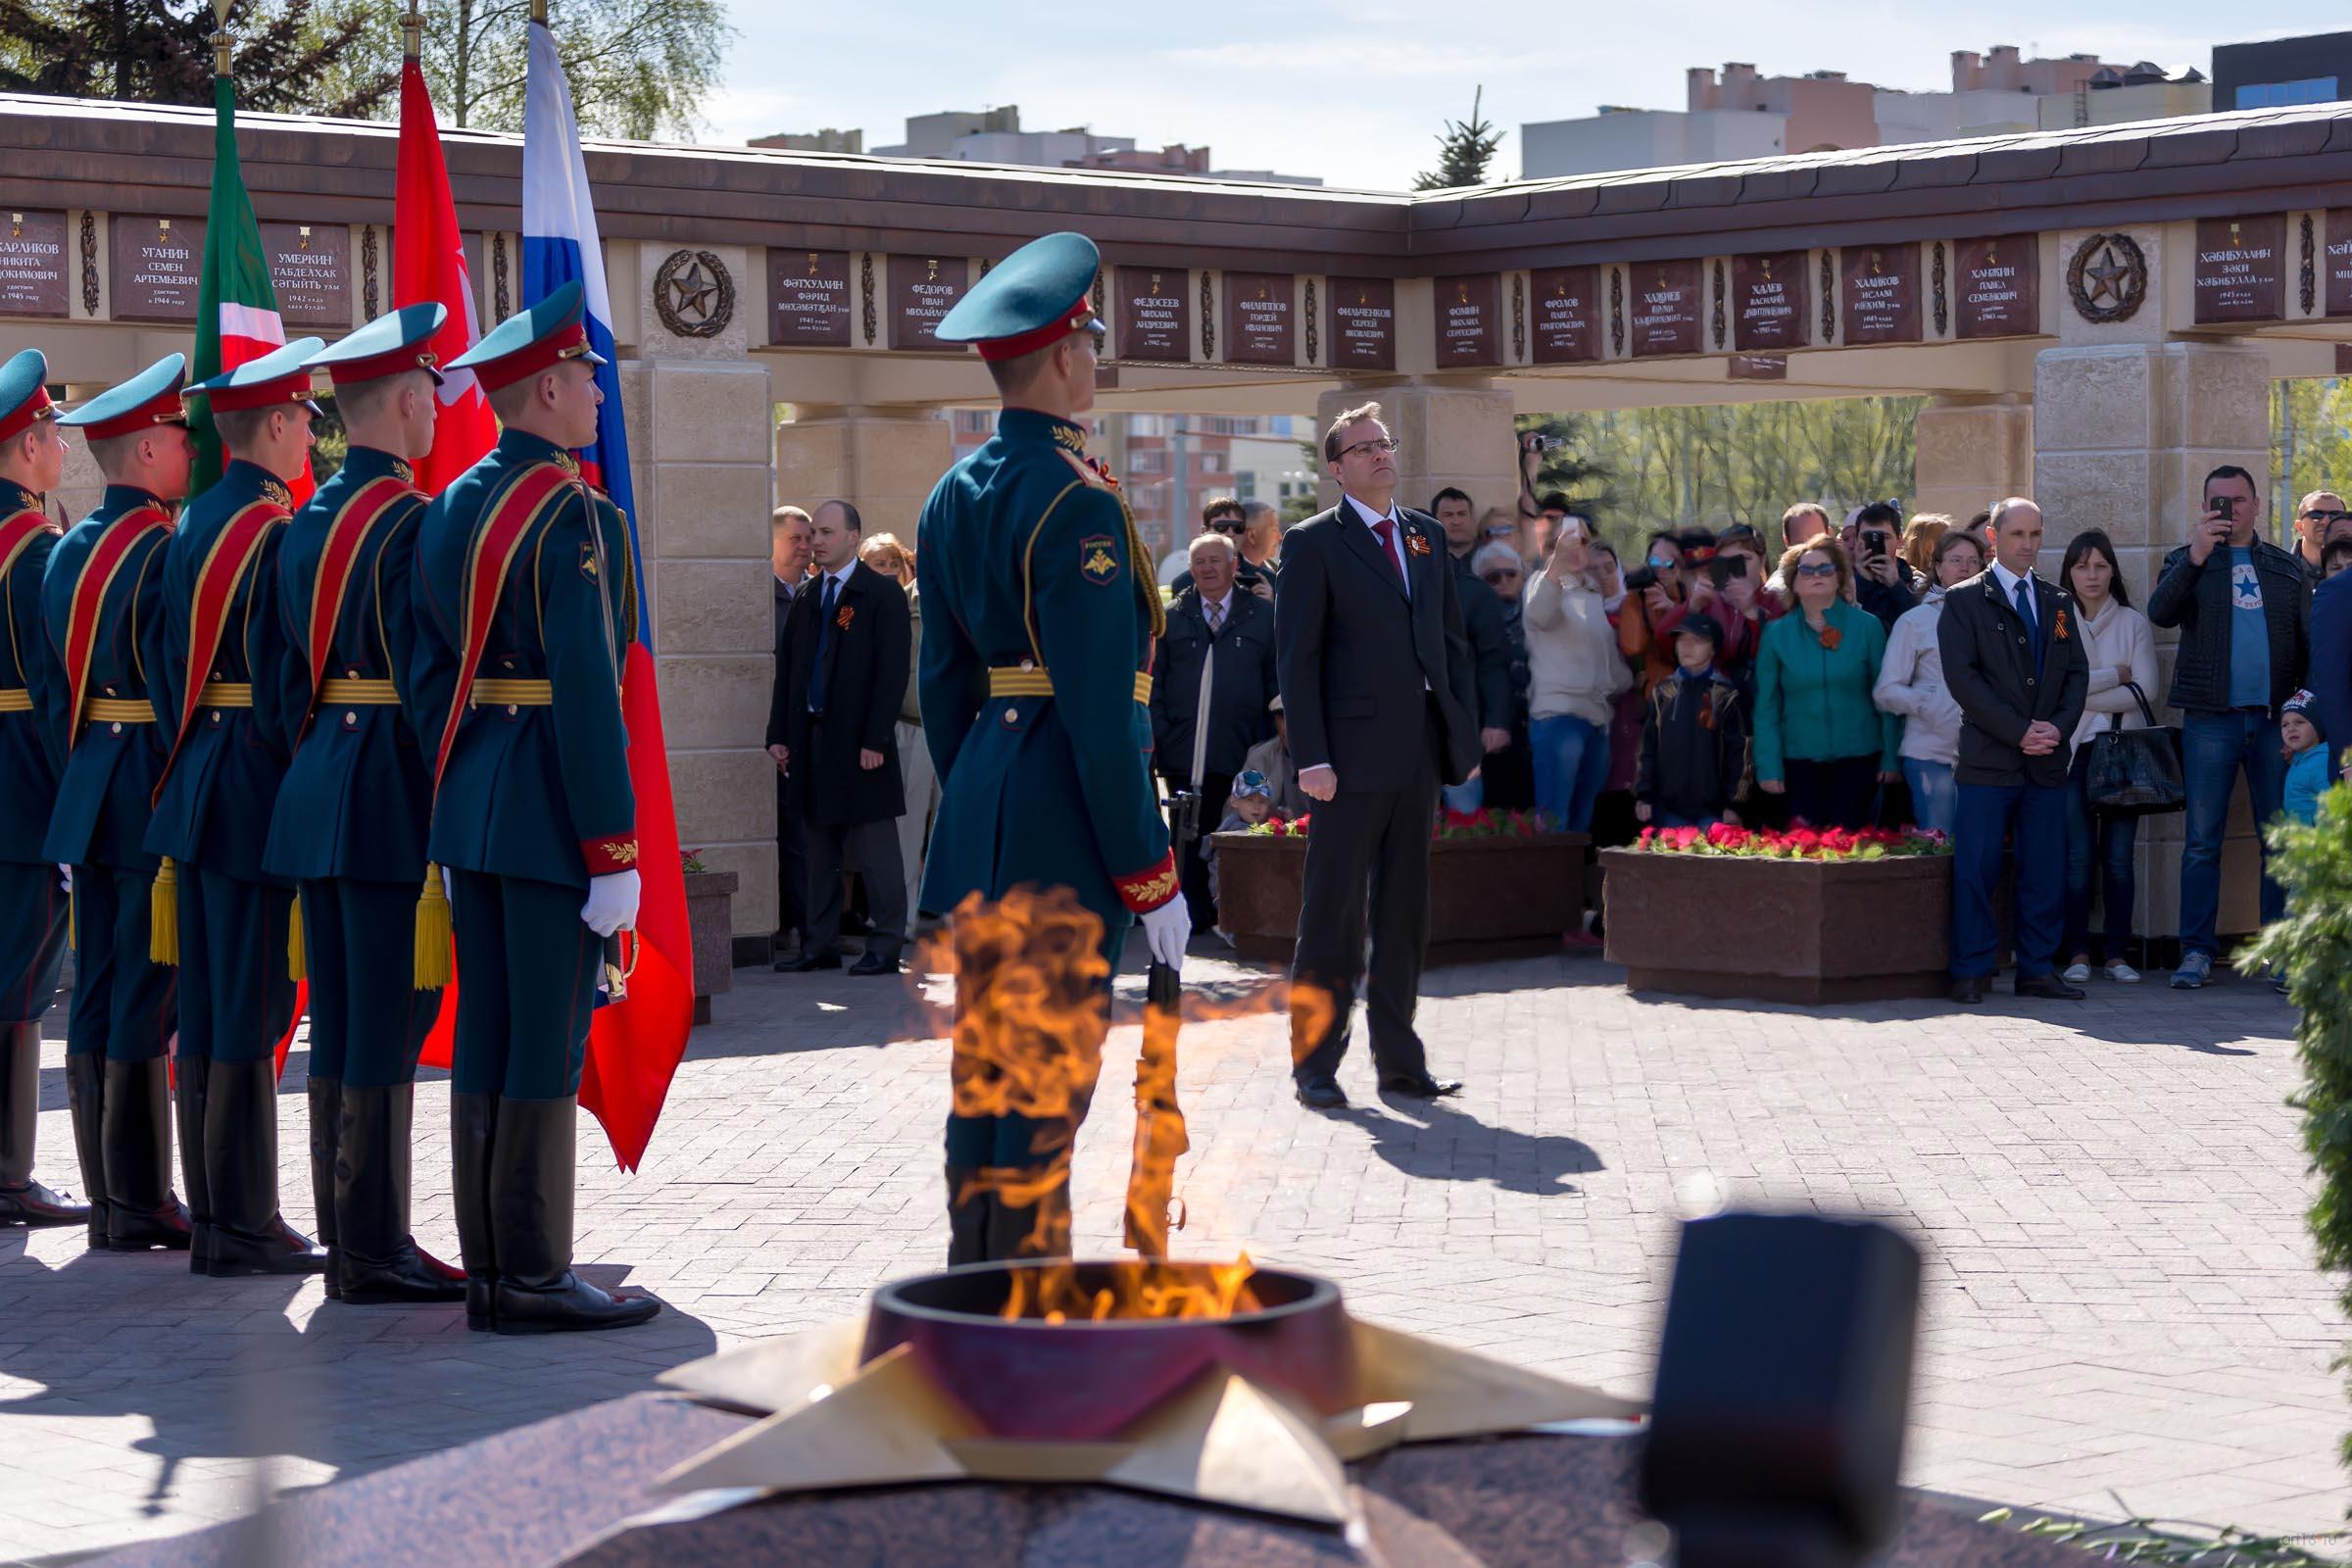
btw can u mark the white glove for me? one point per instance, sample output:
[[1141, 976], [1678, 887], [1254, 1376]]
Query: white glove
[[1166, 930], [612, 903]]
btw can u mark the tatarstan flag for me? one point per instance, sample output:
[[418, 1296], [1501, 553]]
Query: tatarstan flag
[[237, 310]]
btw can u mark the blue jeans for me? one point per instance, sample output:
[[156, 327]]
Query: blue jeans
[[1935, 797], [2108, 841], [2213, 748], [1572, 762], [1464, 797], [1988, 815]]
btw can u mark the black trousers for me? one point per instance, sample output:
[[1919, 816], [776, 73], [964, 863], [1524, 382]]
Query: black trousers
[[1367, 865], [876, 848], [1192, 871], [792, 858], [1839, 792]]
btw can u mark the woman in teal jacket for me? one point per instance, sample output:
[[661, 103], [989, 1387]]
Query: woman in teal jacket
[[1820, 739]]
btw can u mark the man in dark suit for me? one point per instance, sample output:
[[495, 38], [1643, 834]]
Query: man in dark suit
[[846, 649], [2012, 649], [1378, 691], [1218, 723], [2331, 676], [788, 556]]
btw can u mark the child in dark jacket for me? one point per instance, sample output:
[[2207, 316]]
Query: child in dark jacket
[[1695, 753]]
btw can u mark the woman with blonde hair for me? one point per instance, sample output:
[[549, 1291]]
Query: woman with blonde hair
[[1820, 740], [1918, 548]]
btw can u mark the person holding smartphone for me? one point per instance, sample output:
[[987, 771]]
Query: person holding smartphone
[[1883, 583], [2240, 605]]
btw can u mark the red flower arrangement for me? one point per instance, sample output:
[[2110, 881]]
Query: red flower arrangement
[[1793, 844]]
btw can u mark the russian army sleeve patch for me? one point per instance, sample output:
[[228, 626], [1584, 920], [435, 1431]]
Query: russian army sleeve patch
[[1098, 559], [588, 567]]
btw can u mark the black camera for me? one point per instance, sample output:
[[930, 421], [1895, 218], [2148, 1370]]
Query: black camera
[[1642, 579], [1723, 569]]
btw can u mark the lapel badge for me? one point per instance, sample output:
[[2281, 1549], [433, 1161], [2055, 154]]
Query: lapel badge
[[1417, 544], [844, 615]]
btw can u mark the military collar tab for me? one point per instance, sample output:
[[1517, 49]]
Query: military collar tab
[[1037, 424]]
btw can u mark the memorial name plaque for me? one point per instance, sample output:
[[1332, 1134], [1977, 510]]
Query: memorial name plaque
[[2336, 260], [158, 265], [1770, 307], [1999, 287], [2241, 262], [1666, 307], [1261, 320], [1155, 312], [310, 267], [1567, 314], [1469, 317], [32, 264], [922, 289], [1881, 288], [808, 298], [1363, 323], [1756, 367]]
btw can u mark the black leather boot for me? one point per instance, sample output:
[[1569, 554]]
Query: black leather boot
[[533, 1157], [191, 1078], [240, 1160], [141, 1211], [381, 1264], [473, 1126], [85, 1101], [326, 1112], [23, 1200]]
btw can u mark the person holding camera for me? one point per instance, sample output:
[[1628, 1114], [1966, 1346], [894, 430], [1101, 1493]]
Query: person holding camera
[[1883, 583], [2240, 604], [1574, 675], [1820, 740], [1729, 588]]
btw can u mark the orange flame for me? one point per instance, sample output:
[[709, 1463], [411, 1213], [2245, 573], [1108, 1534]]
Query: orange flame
[[1159, 1135], [1139, 1287]]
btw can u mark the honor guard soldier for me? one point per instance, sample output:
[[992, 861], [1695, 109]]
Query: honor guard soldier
[[526, 607], [102, 606], [32, 901], [229, 687], [349, 826], [1035, 670]]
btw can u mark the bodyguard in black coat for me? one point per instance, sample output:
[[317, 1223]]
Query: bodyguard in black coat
[[1242, 690], [848, 649], [1380, 695]]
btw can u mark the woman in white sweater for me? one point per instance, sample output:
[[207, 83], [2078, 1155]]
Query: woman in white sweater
[[1575, 671], [1911, 683], [2122, 653]]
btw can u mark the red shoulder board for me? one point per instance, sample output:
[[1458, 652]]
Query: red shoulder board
[[98, 571], [16, 530], [345, 535], [530, 497], [216, 579]]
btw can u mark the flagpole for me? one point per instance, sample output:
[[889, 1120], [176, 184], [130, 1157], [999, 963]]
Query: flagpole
[[223, 40], [412, 32]]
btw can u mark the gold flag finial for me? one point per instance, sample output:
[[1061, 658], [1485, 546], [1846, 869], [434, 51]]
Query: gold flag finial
[[412, 30], [222, 40], [539, 12]]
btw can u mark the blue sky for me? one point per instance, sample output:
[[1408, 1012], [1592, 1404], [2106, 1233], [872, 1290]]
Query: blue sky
[[1357, 93]]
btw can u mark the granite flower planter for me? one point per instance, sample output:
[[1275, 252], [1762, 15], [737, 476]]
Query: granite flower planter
[[709, 897], [1489, 898], [1780, 930]]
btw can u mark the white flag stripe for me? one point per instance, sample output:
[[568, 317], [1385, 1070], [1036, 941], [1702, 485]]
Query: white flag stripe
[[250, 322], [556, 203]]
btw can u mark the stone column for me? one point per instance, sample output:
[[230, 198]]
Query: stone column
[[1460, 435], [700, 415], [1971, 453], [882, 461], [2124, 436]]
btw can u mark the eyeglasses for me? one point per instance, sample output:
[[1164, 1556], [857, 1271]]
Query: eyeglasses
[[2321, 515], [1386, 444], [1229, 525], [1496, 579], [1817, 568]]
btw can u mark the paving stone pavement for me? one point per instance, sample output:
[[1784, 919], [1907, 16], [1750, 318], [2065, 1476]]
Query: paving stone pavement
[[2123, 1311]]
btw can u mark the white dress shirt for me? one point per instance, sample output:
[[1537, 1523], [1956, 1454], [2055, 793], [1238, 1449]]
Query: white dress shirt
[[1396, 547]]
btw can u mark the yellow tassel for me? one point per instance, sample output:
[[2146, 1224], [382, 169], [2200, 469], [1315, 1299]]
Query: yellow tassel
[[432, 933], [298, 965], [73, 921], [163, 915]]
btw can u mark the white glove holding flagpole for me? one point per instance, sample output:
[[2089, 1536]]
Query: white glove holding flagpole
[[611, 902]]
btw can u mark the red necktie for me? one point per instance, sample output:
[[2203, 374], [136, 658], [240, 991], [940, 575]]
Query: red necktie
[[1386, 528]]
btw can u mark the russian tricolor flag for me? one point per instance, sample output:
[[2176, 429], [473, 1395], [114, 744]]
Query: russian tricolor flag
[[634, 1045]]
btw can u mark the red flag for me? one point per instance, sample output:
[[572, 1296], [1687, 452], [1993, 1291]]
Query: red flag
[[428, 264]]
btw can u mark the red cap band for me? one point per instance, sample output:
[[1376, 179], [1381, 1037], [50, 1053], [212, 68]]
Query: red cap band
[[162, 408], [294, 388], [34, 408], [413, 357], [1053, 331], [547, 352]]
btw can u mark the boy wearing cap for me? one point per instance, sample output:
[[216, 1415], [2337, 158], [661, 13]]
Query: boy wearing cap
[[526, 605], [2308, 775], [350, 826], [101, 610], [33, 899], [1034, 678], [1694, 757], [1250, 804], [225, 684]]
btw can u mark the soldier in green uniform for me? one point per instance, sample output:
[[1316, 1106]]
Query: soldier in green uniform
[[32, 898], [1037, 649], [526, 603], [100, 601], [224, 679], [349, 826]]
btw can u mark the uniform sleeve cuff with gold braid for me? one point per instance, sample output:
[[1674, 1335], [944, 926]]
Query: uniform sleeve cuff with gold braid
[[608, 855], [1146, 891]]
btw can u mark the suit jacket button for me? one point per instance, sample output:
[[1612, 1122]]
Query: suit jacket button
[[117, 729], [2028, 680], [352, 675], [512, 709], [110, 691], [1012, 716], [215, 715], [351, 719]]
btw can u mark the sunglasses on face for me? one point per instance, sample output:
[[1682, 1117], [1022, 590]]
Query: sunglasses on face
[[2323, 514], [1229, 525], [1817, 568]]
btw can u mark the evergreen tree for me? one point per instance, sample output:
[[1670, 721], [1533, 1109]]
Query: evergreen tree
[[291, 56], [1464, 151]]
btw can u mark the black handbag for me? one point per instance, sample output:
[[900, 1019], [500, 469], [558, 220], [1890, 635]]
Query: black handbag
[[2135, 772]]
